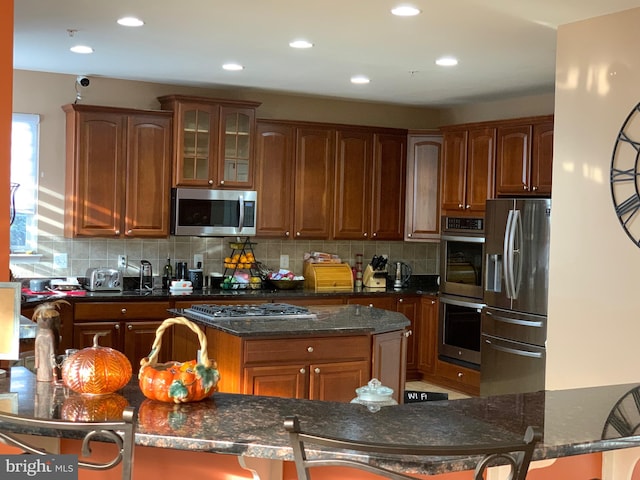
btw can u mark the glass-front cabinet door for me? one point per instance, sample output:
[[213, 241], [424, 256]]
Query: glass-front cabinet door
[[199, 126], [213, 141], [236, 165]]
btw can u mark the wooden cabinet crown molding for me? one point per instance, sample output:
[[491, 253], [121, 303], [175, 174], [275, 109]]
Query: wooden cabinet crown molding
[[532, 120], [208, 100]]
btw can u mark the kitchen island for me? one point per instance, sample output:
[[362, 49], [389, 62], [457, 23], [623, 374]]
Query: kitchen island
[[250, 428]]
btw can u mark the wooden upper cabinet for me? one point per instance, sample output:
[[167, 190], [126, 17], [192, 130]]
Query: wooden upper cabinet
[[117, 172], [274, 179], [389, 186], [353, 185], [314, 179], [524, 158], [468, 170], [214, 145], [422, 219]]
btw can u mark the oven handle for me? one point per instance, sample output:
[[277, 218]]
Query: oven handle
[[513, 351], [462, 238], [461, 303]]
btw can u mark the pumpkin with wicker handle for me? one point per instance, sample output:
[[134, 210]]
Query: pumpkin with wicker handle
[[178, 382], [96, 370]]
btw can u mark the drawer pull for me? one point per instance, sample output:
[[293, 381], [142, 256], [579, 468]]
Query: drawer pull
[[123, 311], [317, 370], [302, 370], [460, 374], [310, 349], [117, 326], [130, 327]]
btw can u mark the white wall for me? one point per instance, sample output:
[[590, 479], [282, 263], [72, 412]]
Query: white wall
[[594, 285]]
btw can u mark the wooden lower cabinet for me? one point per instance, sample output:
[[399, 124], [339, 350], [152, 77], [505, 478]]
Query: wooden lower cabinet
[[388, 363], [317, 368], [460, 378], [427, 335], [127, 327]]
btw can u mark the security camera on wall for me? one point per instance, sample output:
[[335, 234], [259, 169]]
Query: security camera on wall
[[83, 81]]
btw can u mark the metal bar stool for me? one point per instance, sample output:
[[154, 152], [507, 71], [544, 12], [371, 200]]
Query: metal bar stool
[[517, 454], [122, 433]]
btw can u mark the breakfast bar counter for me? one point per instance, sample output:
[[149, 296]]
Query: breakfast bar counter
[[574, 422]]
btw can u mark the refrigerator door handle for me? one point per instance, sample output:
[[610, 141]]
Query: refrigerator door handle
[[516, 264], [508, 255], [515, 321], [513, 351]]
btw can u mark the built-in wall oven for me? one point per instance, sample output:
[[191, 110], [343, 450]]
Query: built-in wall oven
[[461, 290], [459, 329], [461, 256]]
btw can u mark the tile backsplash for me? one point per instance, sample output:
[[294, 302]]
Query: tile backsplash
[[96, 252]]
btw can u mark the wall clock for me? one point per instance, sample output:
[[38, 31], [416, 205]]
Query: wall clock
[[624, 419], [625, 175]]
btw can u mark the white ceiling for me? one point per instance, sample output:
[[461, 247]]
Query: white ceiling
[[505, 47]]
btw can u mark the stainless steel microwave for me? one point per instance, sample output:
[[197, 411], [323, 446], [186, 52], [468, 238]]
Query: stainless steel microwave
[[201, 212]]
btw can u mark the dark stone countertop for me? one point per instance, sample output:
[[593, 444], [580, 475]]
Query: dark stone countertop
[[418, 285], [576, 421], [329, 319]]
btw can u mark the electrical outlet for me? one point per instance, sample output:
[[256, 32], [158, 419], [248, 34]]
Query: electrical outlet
[[122, 261], [198, 257], [60, 260], [284, 261]]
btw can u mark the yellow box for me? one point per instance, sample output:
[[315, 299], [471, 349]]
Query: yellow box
[[328, 277]]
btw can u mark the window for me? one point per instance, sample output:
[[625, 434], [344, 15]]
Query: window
[[24, 172]]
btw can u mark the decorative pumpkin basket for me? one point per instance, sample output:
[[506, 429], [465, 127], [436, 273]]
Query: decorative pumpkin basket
[[177, 382]]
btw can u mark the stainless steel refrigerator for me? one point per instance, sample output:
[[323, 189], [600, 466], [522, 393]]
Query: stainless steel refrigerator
[[514, 321]]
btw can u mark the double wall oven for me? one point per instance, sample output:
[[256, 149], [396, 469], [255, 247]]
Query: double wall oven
[[461, 290]]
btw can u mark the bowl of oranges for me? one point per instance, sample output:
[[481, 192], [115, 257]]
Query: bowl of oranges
[[240, 261]]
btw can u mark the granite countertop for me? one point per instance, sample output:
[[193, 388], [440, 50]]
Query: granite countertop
[[329, 319], [573, 421], [419, 285]]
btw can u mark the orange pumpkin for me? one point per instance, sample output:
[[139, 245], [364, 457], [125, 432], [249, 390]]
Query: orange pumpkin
[[178, 382], [96, 370]]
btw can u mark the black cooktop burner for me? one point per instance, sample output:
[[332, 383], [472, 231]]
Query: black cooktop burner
[[259, 310]]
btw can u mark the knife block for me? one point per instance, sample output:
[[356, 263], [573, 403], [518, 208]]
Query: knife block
[[374, 279]]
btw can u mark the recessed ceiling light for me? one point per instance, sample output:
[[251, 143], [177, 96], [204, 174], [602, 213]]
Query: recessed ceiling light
[[447, 62], [130, 22], [300, 44], [232, 67], [81, 49], [405, 11], [360, 79]]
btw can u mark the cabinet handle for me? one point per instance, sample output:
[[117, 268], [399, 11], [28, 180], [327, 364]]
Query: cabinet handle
[[310, 349], [371, 305], [365, 234], [302, 370], [524, 187], [409, 235], [210, 182], [534, 188], [408, 333], [400, 300], [467, 207], [221, 182], [374, 234], [316, 370], [129, 327], [297, 234], [460, 205], [123, 311], [116, 326], [460, 374], [286, 234], [117, 232], [129, 232]]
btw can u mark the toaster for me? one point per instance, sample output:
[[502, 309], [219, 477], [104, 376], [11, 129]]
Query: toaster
[[104, 279]]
